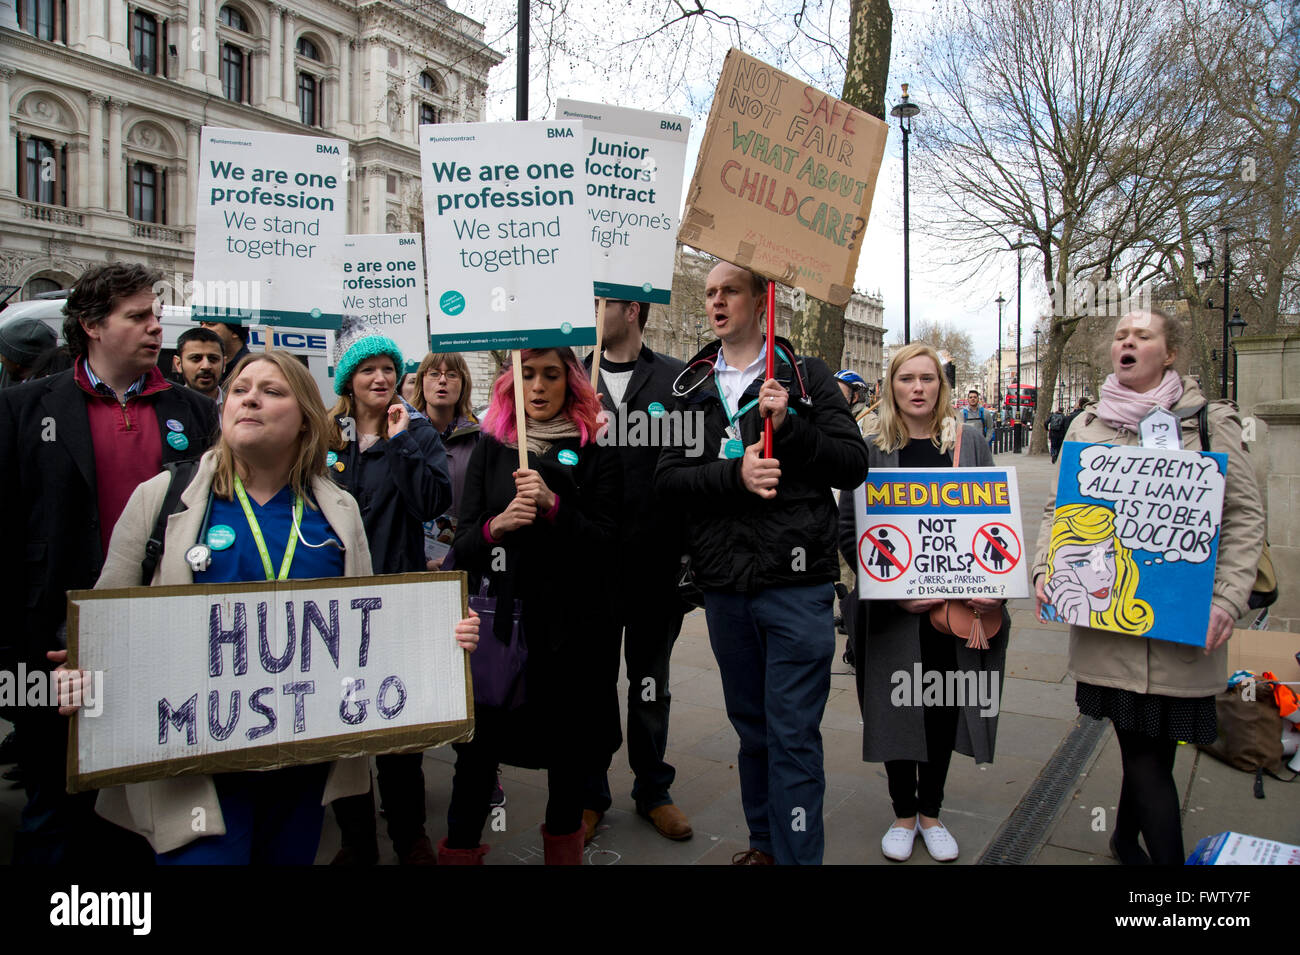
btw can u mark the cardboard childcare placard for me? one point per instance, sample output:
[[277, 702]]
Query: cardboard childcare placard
[[784, 179], [506, 233], [940, 532], [229, 677], [268, 234], [634, 162], [383, 283], [1135, 540]]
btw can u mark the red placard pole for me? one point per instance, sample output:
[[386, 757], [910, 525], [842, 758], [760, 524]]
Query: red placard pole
[[771, 361]]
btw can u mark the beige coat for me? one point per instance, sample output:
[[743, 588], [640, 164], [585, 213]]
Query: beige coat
[[1159, 666], [163, 810]]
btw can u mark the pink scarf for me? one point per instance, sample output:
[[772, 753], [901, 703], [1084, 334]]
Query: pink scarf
[[1122, 407]]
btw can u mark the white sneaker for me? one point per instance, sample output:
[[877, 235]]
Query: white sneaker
[[897, 843], [938, 842]]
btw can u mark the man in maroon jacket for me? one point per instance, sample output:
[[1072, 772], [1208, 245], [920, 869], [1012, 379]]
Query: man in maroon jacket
[[72, 449]]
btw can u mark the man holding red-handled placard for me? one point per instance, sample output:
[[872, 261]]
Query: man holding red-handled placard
[[762, 547]]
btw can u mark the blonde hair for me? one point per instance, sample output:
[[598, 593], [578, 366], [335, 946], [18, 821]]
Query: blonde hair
[[454, 361], [310, 460], [892, 433], [1093, 524]]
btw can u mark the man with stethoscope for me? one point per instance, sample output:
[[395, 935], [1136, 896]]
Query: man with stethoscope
[[763, 551]]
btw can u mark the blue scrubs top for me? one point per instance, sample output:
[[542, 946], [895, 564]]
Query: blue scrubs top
[[241, 563]]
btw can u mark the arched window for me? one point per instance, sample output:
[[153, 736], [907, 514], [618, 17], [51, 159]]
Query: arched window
[[308, 49], [235, 70], [234, 19], [40, 285], [428, 114], [430, 83], [308, 100]]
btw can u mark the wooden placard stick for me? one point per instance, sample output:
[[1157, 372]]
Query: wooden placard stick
[[517, 364], [600, 337]]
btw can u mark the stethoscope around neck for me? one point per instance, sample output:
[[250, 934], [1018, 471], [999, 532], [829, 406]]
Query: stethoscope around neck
[[199, 556]]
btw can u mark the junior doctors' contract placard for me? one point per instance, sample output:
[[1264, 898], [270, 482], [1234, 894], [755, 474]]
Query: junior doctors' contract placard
[[940, 532], [505, 230], [634, 162], [269, 228]]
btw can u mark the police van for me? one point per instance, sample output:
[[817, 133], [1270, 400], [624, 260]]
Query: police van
[[312, 347]]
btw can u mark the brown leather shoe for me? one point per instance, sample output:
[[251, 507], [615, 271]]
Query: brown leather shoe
[[670, 821], [752, 857], [590, 820]]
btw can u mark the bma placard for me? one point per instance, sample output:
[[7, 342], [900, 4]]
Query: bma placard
[[383, 284], [269, 228], [230, 677], [634, 163], [784, 180], [940, 532], [1135, 540], [505, 230]]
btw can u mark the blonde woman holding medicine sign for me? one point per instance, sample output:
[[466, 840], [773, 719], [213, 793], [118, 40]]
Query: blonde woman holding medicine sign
[[917, 429], [1155, 692]]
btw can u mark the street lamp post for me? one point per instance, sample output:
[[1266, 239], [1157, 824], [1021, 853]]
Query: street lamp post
[[1235, 328], [905, 111], [1001, 301]]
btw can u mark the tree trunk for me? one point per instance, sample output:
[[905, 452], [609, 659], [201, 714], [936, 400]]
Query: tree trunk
[[819, 330]]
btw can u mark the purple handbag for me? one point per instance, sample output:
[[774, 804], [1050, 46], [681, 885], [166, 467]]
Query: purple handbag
[[497, 668]]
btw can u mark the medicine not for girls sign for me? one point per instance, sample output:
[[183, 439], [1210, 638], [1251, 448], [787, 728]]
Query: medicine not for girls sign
[[231, 677], [939, 532]]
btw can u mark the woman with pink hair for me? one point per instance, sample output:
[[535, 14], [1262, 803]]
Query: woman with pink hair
[[541, 535]]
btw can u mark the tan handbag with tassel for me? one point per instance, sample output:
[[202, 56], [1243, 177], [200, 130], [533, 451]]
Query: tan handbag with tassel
[[953, 617]]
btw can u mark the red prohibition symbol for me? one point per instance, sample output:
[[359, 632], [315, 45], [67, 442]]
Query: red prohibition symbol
[[881, 551], [999, 546]]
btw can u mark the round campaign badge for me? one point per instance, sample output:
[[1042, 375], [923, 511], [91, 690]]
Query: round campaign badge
[[647, 287], [174, 425], [566, 328], [568, 457], [338, 466], [177, 440], [220, 536], [451, 302], [734, 449], [331, 459], [655, 409]]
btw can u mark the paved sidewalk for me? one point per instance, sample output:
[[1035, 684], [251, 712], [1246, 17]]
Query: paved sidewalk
[[1037, 713]]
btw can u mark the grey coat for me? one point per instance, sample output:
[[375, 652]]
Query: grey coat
[[887, 640]]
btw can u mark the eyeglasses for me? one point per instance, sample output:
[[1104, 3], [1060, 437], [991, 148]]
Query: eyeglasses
[[449, 375]]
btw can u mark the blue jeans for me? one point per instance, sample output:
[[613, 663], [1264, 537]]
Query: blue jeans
[[774, 652], [272, 818]]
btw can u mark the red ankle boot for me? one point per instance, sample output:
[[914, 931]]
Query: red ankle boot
[[564, 850], [460, 856]]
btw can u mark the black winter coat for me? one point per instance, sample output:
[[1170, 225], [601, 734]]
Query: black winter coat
[[399, 484], [553, 568], [740, 542], [49, 522], [651, 534]]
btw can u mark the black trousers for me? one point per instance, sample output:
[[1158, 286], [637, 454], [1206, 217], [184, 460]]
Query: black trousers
[[401, 787], [648, 631], [1148, 797], [471, 792], [917, 787]]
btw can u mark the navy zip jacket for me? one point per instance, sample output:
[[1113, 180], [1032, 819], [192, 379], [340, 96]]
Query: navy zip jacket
[[740, 542], [399, 483]]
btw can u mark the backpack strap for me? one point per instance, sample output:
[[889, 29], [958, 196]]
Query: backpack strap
[[182, 473], [1203, 425]]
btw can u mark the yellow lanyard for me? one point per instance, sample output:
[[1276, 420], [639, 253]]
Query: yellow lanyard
[[290, 546]]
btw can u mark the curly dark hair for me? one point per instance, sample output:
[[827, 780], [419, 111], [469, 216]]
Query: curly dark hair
[[97, 292]]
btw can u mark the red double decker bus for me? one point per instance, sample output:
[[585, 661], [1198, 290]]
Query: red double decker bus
[[1019, 403]]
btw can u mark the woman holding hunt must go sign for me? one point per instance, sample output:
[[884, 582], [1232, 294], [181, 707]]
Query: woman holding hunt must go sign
[[260, 507], [914, 729], [1156, 692]]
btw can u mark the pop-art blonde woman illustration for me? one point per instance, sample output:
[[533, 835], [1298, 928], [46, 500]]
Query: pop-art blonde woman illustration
[[1090, 571]]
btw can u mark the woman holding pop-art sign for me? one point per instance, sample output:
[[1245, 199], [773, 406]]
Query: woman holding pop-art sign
[[1155, 692], [912, 730], [259, 501]]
